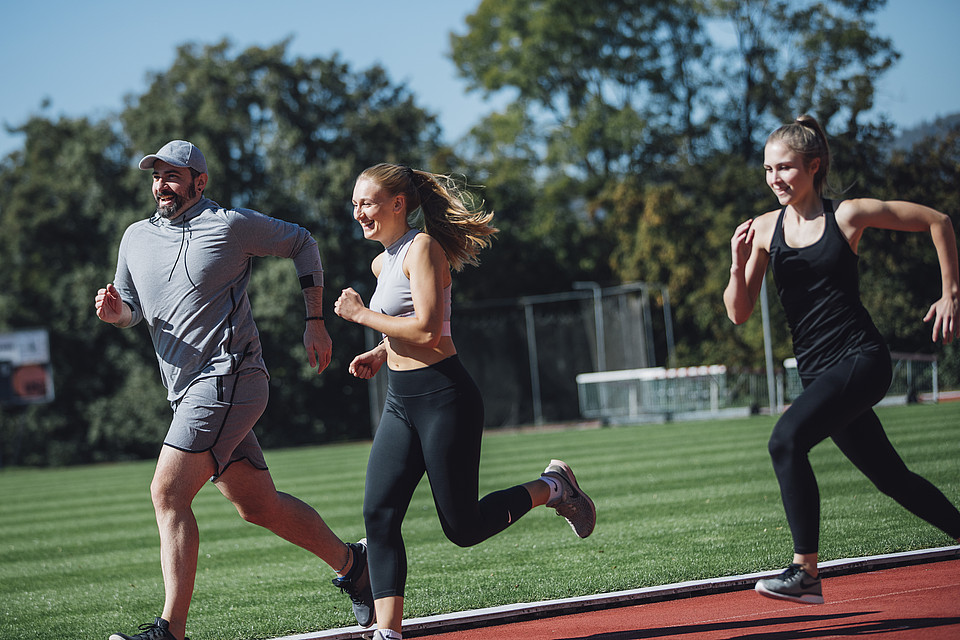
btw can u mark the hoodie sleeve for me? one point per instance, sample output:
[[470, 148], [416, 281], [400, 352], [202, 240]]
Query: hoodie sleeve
[[123, 281], [262, 235]]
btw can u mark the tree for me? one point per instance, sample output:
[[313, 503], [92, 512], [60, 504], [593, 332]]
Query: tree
[[601, 79], [67, 199], [644, 122], [795, 57], [900, 270], [286, 137]]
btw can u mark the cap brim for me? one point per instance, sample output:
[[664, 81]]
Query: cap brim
[[148, 161]]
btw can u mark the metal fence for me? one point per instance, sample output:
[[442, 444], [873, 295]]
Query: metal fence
[[525, 353], [654, 394], [661, 395]]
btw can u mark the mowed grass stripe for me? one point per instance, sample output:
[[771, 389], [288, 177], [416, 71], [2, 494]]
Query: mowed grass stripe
[[79, 548]]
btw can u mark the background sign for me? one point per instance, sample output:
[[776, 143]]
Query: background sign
[[26, 376]]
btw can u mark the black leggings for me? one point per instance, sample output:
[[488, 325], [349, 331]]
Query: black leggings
[[838, 404], [432, 421]]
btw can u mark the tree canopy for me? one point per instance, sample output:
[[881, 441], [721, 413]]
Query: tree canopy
[[630, 151]]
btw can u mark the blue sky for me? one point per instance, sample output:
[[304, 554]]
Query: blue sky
[[85, 57]]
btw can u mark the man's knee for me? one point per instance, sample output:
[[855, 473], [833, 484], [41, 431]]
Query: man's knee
[[252, 493], [178, 478], [170, 496], [254, 513]]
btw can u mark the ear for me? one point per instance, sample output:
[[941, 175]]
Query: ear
[[201, 182], [399, 203], [814, 166]]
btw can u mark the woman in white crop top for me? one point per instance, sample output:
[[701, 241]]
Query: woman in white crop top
[[432, 419]]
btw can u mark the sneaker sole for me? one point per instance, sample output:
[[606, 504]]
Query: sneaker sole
[[807, 598]]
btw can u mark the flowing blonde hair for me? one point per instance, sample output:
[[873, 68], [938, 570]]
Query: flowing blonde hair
[[450, 214]]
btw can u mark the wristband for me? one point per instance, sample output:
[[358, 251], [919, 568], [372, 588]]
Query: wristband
[[310, 280], [308, 318]]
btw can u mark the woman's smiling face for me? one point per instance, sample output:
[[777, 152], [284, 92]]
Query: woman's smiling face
[[787, 173], [381, 216]]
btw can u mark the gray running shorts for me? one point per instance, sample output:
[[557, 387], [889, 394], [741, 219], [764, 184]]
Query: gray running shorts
[[218, 414]]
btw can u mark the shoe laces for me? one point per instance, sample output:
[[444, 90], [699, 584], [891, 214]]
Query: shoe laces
[[348, 587], [791, 571], [568, 505], [152, 630]]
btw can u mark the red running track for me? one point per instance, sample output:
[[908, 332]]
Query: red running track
[[903, 603], [907, 595]]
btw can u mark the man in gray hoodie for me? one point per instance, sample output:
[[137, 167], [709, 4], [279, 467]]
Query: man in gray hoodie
[[184, 272]]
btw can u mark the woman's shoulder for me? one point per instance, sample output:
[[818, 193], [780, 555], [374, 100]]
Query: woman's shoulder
[[377, 265], [426, 253], [763, 227], [857, 207], [768, 219], [423, 244]]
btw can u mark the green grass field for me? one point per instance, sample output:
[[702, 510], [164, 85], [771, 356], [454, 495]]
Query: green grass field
[[79, 551]]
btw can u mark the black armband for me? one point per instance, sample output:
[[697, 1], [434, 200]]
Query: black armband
[[311, 280]]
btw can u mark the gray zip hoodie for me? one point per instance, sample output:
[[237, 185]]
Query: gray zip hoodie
[[187, 278]]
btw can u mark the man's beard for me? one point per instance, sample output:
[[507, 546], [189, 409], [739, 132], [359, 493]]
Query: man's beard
[[171, 210]]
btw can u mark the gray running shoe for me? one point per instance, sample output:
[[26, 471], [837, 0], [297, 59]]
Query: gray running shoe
[[159, 630], [356, 584], [794, 584], [573, 504]]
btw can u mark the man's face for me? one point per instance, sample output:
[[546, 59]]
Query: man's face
[[175, 189]]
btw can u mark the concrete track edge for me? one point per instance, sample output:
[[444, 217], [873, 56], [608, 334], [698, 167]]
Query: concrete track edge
[[419, 627]]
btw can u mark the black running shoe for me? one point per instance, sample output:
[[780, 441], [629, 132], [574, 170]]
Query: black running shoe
[[159, 630], [356, 584], [794, 584]]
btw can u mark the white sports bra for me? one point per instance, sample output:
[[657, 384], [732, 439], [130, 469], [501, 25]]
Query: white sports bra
[[393, 296]]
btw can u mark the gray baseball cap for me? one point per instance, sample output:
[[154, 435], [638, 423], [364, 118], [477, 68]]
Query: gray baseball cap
[[179, 153]]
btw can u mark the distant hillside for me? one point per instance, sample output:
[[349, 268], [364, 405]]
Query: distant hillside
[[910, 137]]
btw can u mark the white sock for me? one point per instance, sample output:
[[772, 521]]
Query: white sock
[[388, 634], [555, 488]]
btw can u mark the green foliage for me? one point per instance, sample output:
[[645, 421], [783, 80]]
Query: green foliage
[[285, 137], [66, 203], [631, 151], [798, 57], [900, 273], [675, 502]]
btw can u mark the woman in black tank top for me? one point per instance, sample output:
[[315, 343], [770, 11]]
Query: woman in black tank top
[[811, 243]]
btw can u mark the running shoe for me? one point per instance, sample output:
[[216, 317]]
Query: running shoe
[[159, 630], [572, 503], [794, 584], [356, 584]]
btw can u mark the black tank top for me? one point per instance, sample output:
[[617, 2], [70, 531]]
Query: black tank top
[[819, 288]]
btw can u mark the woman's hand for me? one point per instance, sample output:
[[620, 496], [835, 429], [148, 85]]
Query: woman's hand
[[741, 245], [366, 365], [349, 305], [944, 314]]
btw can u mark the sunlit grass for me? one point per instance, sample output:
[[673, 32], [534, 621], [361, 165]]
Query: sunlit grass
[[79, 551]]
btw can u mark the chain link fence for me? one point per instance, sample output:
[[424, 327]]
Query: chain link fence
[[525, 353]]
